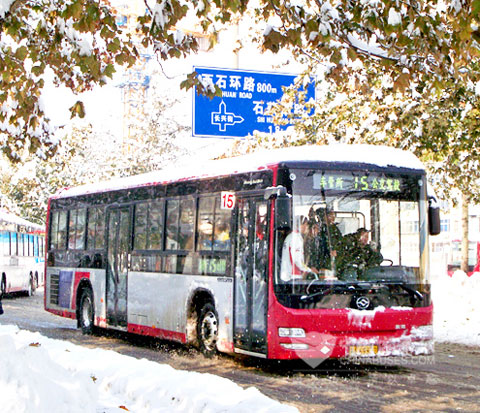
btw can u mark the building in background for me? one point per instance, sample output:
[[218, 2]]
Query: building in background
[[446, 247]]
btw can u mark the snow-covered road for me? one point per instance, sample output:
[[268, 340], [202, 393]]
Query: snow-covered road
[[45, 375]]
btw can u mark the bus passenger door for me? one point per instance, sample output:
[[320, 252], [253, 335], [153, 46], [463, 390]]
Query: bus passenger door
[[251, 265], [118, 249]]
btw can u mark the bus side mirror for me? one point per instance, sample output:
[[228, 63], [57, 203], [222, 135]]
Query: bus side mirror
[[433, 217], [283, 206], [283, 212]]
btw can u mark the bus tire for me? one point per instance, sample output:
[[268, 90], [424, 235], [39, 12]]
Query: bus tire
[[207, 330], [86, 311]]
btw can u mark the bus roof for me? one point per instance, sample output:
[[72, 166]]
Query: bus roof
[[264, 159], [9, 218]]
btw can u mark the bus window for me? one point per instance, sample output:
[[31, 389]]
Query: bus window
[[76, 235], [187, 212], [13, 244], [80, 232], [148, 226], [72, 229], [206, 207], [221, 234], [99, 228], [173, 206], [62, 231], [31, 246], [140, 225], [213, 225], [180, 222], [54, 230], [92, 220], [155, 225], [21, 246], [6, 242], [96, 228]]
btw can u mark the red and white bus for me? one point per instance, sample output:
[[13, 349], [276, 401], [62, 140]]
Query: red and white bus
[[22, 254], [195, 255]]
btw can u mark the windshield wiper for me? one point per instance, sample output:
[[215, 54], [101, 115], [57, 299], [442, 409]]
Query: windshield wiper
[[414, 293], [332, 289], [417, 295]]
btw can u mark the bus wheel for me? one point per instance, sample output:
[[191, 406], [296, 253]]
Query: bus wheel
[[85, 313], [207, 330]]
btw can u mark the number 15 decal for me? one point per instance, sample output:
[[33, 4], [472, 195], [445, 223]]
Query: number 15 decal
[[228, 200]]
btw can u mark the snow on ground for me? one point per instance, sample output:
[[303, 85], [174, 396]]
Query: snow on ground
[[40, 375], [456, 308], [79, 379]]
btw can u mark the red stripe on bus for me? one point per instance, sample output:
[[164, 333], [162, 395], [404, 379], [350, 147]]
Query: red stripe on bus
[[156, 332], [63, 313]]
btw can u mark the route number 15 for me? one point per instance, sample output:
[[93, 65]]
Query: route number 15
[[228, 200]]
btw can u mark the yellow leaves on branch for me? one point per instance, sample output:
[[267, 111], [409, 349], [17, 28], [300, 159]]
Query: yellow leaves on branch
[[78, 109]]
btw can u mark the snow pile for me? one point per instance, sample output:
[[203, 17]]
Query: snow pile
[[43, 375], [29, 375], [456, 315]]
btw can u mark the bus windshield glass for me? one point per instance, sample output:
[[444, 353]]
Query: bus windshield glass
[[352, 228]]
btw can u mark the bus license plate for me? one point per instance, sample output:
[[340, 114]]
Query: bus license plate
[[363, 351]]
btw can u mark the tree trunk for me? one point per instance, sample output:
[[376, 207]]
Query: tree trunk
[[464, 264]]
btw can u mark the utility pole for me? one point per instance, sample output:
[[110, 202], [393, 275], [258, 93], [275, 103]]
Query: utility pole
[[464, 262]]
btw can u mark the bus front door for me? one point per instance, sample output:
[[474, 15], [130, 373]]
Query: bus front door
[[251, 258], [118, 250]]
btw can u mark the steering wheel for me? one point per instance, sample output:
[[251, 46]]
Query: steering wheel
[[307, 290], [311, 275]]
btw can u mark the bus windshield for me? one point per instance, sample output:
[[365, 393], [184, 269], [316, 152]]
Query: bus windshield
[[352, 228]]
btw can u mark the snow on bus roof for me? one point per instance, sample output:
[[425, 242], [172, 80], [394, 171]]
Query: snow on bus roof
[[382, 156], [14, 219]]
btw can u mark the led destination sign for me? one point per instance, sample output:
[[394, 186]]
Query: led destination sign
[[374, 182]]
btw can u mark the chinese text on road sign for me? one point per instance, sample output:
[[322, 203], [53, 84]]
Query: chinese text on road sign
[[244, 105]]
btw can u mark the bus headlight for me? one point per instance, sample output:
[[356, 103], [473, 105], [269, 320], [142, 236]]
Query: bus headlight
[[291, 332]]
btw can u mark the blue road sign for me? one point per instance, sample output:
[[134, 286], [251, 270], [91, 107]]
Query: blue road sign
[[243, 108]]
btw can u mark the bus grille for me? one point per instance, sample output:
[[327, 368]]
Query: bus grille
[[54, 288]]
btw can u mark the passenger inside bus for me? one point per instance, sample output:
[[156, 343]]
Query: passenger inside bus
[[324, 240], [293, 266], [356, 255]]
